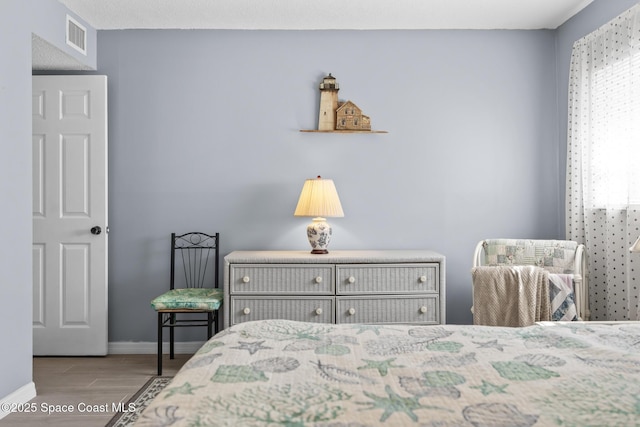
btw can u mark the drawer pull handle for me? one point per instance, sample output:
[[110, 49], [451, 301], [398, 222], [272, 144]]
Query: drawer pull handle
[[246, 279], [352, 311], [246, 310], [318, 279], [423, 309], [423, 279], [318, 311], [351, 279]]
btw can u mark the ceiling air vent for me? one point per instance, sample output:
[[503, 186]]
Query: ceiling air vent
[[76, 35]]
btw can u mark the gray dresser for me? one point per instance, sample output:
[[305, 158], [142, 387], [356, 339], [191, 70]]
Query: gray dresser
[[396, 286]]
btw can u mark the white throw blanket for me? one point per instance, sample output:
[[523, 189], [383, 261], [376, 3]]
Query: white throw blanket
[[510, 295]]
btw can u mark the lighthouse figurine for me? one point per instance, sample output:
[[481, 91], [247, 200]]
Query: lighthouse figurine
[[328, 103]]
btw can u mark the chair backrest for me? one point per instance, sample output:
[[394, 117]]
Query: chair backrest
[[197, 255], [556, 256]]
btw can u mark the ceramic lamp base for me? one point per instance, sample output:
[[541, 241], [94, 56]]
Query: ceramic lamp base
[[319, 234]]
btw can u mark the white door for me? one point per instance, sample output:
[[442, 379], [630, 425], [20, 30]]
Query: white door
[[69, 215]]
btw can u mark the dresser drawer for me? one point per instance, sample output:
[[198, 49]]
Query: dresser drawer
[[390, 309], [387, 279], [283, 279], [319, 310], [381, 286]]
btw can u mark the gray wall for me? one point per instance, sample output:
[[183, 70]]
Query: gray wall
[[49, 23], [204, 134], [18, 19], [15, 197]]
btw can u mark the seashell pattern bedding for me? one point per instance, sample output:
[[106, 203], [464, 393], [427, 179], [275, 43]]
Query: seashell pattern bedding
[[280, 372]]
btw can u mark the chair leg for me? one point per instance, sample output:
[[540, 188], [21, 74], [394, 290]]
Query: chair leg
[[209, 324], [159, 343], [173, 322], [217, 320]]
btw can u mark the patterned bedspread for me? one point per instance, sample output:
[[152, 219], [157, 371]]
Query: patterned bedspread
[[279, 372]]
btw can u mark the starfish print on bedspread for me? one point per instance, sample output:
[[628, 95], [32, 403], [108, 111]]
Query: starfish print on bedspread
[[185, 388], [393, 402], [364, 328], [251, 347], [490, 344], [487, 388]]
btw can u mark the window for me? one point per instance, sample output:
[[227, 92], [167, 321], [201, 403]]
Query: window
[[603, 163], [615, 135]]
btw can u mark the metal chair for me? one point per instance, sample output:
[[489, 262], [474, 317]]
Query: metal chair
[[194, 292]]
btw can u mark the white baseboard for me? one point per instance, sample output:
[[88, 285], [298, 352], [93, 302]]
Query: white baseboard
[[128, 347], [21, 395]]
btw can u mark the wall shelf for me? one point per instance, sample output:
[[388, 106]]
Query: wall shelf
[[343, 131]]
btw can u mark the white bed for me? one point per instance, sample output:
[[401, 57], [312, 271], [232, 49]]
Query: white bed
[[279, 372]]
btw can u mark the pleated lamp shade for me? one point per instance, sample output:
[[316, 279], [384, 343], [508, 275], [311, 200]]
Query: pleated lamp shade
[[319, 199], [636, 246]]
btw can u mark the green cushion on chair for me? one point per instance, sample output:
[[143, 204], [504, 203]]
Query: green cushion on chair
[[189, 299]]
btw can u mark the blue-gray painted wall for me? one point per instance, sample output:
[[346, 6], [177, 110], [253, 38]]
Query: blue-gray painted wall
[[15, 198], [204, 134], [18, 19]]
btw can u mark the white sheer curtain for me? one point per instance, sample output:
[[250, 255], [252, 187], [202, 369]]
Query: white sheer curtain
[[603, 163]]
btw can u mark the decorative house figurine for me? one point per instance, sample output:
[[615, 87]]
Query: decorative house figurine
[[350, 117], [335, 115]]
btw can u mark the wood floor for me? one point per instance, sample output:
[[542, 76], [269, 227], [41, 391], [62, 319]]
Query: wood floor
[[82, 381]]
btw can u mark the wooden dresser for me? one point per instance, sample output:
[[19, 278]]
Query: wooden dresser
[[396, 286]]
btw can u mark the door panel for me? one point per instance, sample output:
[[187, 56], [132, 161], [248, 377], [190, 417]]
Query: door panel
[[75, 166], [38, 286], [69, 198]]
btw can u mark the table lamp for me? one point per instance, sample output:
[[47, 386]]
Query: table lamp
[[319, 199]]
